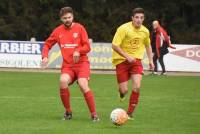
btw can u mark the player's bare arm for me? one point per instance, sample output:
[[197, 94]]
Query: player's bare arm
[[122, 53], [149, 55]]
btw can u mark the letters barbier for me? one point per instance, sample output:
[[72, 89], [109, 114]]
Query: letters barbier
[[20, 47]]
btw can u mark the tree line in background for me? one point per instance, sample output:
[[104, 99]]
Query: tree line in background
[[23, 19]]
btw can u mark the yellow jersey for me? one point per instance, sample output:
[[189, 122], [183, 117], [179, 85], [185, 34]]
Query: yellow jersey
[[130, 40]]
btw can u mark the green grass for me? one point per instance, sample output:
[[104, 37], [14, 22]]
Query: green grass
[[30, 104]]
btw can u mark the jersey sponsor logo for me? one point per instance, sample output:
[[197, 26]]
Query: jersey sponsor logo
[[134, 43], [17, 47], [68, 45]]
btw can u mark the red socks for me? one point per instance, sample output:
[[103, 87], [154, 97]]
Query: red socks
[[65, 98], [133, 102], [89, 98]]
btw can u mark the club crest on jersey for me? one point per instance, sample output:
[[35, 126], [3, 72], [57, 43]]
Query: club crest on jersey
[[60, 36], [75, 35]]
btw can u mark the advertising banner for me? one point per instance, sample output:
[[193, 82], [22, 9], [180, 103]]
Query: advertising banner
[[100, 57], [20, 54], [26, 54], [184, 58]]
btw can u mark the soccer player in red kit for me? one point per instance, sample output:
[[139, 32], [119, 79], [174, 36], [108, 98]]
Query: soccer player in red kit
[[74, 45]]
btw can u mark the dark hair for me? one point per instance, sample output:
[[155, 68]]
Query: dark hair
[[65, 10], [137, 10]]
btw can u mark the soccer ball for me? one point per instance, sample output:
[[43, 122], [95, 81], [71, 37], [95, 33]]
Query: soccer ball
[[118, 116]]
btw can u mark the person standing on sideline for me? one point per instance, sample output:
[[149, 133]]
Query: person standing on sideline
[[160, 42], [73, 41], [129, 43]]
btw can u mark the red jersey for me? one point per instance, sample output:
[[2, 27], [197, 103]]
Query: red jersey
[[70, 39], [160, 37]]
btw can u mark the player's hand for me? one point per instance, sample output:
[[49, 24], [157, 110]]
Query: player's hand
[[44, 62], [76, 56], [172, 46], [151, 66], [130, 59]]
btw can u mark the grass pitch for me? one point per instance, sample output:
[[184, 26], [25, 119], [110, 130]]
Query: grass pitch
[[30, 104]]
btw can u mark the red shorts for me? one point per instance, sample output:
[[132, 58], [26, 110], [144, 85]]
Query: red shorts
[[125, 69], [76, 71]]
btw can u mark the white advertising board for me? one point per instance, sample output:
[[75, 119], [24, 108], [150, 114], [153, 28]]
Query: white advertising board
[[20, 54], [184, 58], [26, 54]]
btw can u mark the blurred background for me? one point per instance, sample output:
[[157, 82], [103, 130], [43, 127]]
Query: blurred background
[[24, 19]]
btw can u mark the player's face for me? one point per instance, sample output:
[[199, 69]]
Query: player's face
[[138, 19], [67, 19]]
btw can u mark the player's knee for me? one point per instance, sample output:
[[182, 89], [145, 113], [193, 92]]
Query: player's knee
[[84, 88], [123, 90], [83, 84], [136, 88], [64, 82]]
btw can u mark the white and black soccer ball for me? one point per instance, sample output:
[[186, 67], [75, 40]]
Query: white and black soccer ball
[[118, 116]]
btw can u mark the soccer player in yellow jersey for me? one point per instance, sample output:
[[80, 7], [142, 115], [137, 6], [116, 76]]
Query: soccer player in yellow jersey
[[129, 43]]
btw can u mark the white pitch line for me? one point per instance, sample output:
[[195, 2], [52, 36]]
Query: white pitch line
[[28, 97], [178, 99]]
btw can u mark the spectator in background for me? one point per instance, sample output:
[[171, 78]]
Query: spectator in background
[[160, 41]]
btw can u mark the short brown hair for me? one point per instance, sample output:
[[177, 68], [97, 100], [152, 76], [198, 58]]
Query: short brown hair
[[137, 10], [65, 10]]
